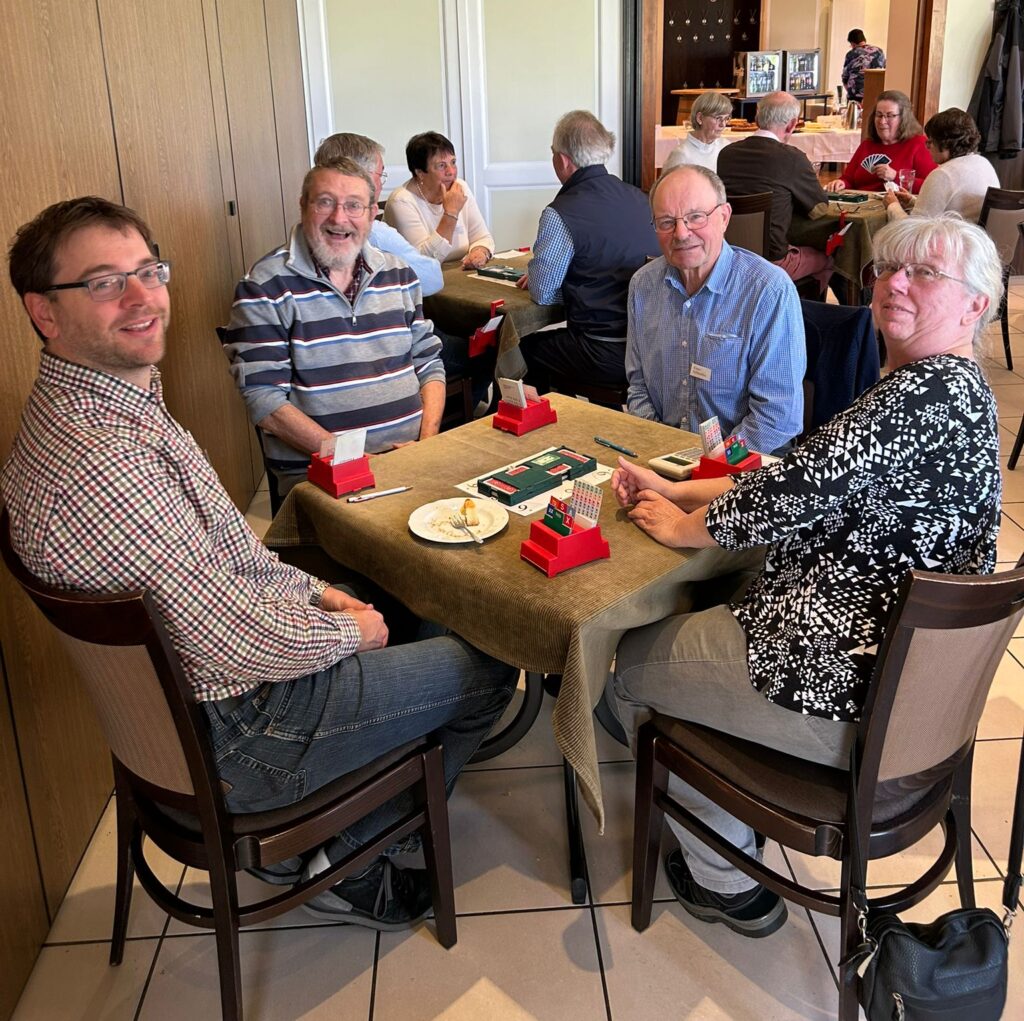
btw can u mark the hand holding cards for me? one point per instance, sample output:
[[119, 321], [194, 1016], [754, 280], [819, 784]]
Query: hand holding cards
[[341, 466]]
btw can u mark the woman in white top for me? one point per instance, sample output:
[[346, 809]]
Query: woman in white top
[[708, 118], [434, 210], [961, 178]]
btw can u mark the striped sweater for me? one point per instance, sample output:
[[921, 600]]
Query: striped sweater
[[294, 337]]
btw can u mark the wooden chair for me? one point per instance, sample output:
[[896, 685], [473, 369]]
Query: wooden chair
[[1001, 216], [750, 224], [168, 790], [911, 765]]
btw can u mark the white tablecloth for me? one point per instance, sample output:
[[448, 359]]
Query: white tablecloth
[[820, 146]]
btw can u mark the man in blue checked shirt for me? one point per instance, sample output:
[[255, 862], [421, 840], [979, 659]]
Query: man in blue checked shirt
[[713, 330], [591, 239]]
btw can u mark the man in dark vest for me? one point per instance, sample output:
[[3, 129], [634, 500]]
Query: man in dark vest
[[591, 240]]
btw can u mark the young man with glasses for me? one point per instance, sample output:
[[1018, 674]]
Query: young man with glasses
[[106, 492], [327, 333], [713, 330]]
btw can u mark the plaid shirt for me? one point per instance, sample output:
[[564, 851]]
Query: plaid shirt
[[107, 492]]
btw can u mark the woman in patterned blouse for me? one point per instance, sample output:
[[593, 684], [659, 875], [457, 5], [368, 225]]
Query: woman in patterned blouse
[[907, 477]]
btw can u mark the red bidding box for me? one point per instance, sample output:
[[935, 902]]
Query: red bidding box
[[480, 339], [554, 553], [523, 420], [717, 467], [338, 479]]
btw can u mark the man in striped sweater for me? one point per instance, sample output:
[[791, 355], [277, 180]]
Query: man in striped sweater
[[327, 333]]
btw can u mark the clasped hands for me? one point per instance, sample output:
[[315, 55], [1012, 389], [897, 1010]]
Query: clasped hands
[[646, 494], [372, 629]]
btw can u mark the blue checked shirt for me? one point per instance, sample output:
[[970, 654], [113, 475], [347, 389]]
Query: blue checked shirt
[[743, 328], [552, 253]]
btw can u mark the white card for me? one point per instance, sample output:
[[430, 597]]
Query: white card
[[512, 392], [492, 324], [346, 446]]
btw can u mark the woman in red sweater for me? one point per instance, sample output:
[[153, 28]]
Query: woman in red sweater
[[895, 132]]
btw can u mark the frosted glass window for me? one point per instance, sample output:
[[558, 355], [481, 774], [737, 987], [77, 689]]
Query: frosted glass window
[[386, 70], [534, 77]]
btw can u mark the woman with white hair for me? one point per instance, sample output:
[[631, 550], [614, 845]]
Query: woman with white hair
[[708, 118], [907, 477]]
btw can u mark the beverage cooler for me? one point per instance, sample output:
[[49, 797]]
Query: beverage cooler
[[757, 72], [803, 72]]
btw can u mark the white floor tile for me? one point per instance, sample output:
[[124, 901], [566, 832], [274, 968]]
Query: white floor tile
[[519, 967], [317, 973], [685, 969]]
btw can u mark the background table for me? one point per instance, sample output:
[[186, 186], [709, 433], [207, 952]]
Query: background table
[[568, 625], [465, 304], [855, 256], [820, 146]]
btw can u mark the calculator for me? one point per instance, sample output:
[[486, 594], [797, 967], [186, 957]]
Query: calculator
[[677, 465]]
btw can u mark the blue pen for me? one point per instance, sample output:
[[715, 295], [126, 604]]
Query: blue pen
[[615, 446]]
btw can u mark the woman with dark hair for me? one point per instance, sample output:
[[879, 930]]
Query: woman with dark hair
[[961, 178], [895, 133], [434, 210]]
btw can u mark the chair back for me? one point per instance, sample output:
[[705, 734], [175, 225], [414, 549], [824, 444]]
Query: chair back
[[132, 673], [1001, 212], [842, 358], [944, 642], [750, 224]]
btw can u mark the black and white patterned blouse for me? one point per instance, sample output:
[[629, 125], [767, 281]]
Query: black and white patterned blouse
[[907, 477]]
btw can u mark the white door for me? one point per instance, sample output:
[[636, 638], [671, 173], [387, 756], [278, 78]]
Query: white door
[[491, 75]]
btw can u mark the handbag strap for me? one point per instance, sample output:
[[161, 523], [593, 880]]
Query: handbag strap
[[1011, 887]]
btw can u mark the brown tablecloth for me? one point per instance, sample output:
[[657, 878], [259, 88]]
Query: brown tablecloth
[[855, 254], [570, 624], [465, 304]]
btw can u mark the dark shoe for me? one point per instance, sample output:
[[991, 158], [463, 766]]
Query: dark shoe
[[758, 912], [285, 873], [384, 897]]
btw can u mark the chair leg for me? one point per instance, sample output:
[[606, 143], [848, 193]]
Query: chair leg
[[1004, 318], [1017, 444], [960, 806], [437, 848], [123, 880], [651, 775], [224, 894], [849, 1008]]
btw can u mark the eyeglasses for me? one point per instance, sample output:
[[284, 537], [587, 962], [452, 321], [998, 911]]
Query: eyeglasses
[[719, 118], [112, 285], [326, 204], [887, 116], [913, 271], [383, 175], [691, 221]]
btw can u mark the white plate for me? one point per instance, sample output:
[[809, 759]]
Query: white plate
[[433, 520]]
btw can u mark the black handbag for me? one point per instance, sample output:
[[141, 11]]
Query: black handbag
[[950, 969]]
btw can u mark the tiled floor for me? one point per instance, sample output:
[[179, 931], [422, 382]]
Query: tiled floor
[[524, 951]]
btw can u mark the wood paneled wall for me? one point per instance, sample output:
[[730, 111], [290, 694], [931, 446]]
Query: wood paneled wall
[[193, 113]]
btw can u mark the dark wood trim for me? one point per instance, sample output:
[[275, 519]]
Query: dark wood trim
[[927, 75], [651, 44]]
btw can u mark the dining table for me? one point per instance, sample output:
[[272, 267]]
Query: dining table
[[827, 145], [464, 304], [567, 625], [861, 222]]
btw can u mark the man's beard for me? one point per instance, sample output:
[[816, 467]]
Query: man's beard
[[328, 257]]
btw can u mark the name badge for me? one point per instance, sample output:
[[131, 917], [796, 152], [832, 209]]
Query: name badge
[[700, 372]]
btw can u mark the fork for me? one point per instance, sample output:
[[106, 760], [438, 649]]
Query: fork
[[460, 522]]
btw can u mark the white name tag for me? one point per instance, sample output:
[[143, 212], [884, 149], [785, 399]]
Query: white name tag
[[700, 372]]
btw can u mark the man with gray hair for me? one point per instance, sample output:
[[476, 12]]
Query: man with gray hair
[[368, 154], [763, 162], [592, 238]]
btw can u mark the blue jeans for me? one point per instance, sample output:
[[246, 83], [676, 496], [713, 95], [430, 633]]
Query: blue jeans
[[292, 737]]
